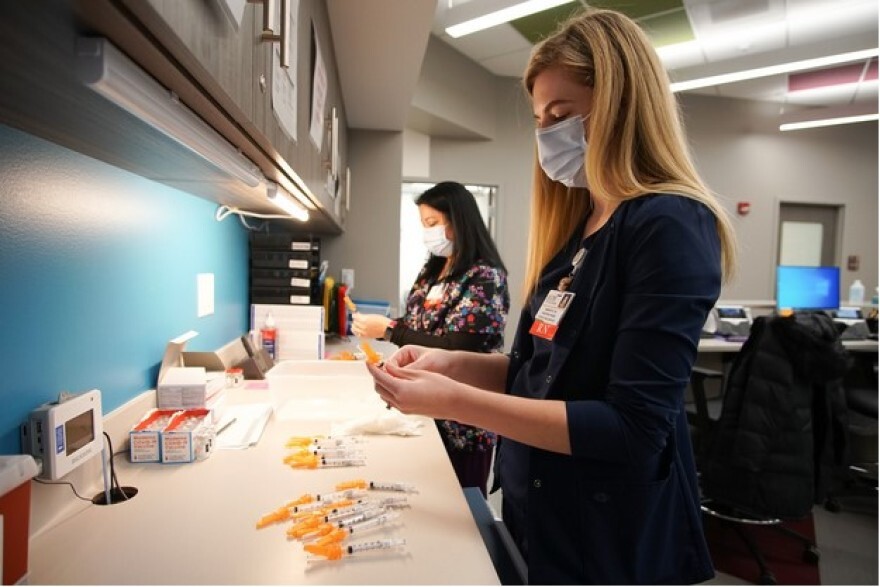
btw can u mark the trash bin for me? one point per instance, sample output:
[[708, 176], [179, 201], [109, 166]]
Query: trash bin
[[16, 472]]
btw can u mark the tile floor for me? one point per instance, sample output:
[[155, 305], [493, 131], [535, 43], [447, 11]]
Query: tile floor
[[847, 543]]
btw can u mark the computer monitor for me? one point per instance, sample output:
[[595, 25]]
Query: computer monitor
[[807, 288]]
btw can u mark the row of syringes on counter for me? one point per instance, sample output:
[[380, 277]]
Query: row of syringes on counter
[[324, 522], [313, 452]]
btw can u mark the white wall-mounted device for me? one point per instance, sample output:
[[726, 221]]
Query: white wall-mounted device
[[64, 434]]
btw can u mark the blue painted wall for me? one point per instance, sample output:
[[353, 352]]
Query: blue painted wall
[[97, 272]]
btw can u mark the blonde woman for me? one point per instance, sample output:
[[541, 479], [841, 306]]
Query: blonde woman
[[595, 462]]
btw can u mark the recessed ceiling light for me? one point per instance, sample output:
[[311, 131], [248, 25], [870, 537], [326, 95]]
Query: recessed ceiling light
[[759, 72], [828, 122], [501, 16]]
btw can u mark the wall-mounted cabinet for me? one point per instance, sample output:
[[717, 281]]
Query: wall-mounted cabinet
[[220, 68]]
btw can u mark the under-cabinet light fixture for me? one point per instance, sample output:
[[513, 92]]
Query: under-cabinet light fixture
[[110, 73], [501, 16], [280, 197]]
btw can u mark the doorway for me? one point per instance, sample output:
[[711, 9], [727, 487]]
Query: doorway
[[807, 234]]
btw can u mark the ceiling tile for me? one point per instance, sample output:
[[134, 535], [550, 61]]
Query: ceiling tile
[[540, 25], [812, 21], [832, 76], [494, 42], [637, 9], [668, 28], [509, 64]]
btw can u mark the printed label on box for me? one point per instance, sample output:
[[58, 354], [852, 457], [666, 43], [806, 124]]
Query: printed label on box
[[144, 447], [176, 447]]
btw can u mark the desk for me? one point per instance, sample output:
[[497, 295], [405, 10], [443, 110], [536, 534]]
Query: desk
[[719, 345], [195, 523], [717, 354]]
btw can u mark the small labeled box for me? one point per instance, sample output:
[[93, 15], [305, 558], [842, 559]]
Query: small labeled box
[[145, 439], [182, 388], [188, 437]]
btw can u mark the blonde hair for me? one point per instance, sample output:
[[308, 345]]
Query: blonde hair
[[637, 143]]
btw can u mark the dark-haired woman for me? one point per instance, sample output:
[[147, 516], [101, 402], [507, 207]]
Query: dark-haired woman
[[459, 301]]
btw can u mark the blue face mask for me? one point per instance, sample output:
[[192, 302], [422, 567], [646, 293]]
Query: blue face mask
[[562, 150]]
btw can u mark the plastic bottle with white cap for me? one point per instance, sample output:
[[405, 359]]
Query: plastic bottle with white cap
[[269, 335], [857, 293]]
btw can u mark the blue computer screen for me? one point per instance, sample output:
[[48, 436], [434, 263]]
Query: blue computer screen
[[807, 288]]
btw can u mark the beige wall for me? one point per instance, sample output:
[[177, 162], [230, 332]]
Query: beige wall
[[744, 157], [371, 244]]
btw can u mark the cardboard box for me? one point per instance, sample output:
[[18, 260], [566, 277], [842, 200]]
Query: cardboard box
[[188, 437], [232, 354], [182, 388], [145, 439]]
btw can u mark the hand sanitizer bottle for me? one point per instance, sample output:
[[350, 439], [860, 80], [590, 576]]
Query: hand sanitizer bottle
[[857, 293]]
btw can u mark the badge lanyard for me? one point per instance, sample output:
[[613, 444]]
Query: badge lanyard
[[557, 302]]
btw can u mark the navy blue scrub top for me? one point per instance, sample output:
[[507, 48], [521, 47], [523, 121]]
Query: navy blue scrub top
[[529, 380]]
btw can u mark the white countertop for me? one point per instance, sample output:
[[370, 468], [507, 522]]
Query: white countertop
[[195, 523]]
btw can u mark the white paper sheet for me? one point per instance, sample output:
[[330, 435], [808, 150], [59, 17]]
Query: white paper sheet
[[247, 424]]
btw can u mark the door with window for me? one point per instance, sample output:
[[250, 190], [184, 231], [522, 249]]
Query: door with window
[[808, 234]]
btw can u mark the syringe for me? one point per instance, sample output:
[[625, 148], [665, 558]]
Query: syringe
[[376, 486], [305, 441], [335, 551], [315, 461], [334, 534]]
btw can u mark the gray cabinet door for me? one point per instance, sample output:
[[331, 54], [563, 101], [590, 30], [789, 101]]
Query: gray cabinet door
[[235, 66], [209, 46]]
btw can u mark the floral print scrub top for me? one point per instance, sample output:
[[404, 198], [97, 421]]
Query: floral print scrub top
[[466, 312]]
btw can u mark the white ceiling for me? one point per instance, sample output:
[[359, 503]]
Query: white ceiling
[[731, 35]]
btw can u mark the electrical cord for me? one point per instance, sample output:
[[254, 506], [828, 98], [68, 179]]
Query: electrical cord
[[63, 483], [114, 481], [224, 211]]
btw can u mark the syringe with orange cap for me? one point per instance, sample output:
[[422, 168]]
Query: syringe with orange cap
[[376, 486], [279, 515], [317, 461], [286, 511], [338, 534], [321, 441], [336, 551]]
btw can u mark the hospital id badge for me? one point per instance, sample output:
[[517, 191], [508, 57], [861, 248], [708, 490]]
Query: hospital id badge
[[435, 295], [550, 314]]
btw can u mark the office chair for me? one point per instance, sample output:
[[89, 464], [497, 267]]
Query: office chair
[[858, 489], [747, 477], [705, 411]]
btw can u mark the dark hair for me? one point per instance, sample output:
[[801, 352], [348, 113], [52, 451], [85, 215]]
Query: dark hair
[[472, 241]]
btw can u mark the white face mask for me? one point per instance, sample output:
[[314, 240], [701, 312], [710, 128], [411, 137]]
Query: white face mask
[[562, 149], [436, 241]]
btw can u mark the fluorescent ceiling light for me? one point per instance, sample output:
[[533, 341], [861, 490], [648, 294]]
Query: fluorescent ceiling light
[[110, 73], [806, 64], [828, 122], [501, 16], [280, 197]]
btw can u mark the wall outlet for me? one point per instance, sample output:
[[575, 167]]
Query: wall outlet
[[348, 277], [204, 294]]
